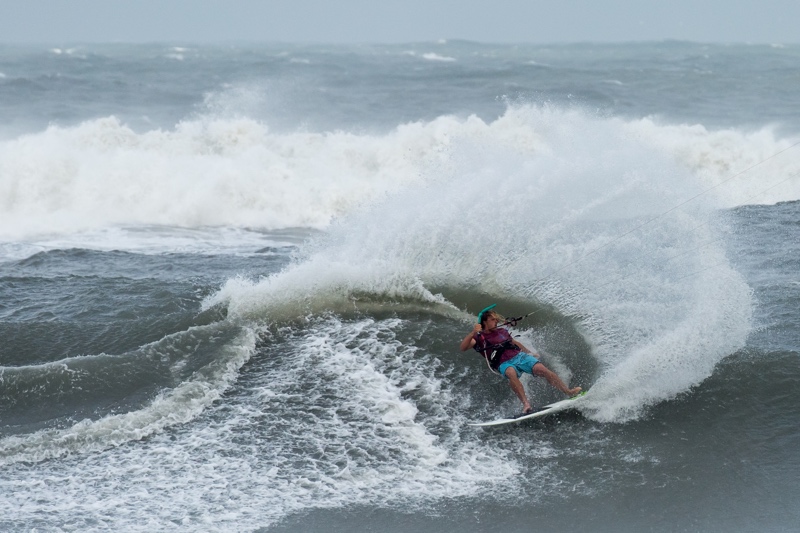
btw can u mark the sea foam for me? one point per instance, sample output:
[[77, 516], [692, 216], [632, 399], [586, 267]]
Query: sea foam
[[236, 172]]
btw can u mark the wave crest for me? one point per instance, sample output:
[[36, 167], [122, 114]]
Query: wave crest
[[236, 172]]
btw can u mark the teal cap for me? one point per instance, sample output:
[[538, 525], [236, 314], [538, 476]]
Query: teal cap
[[485, 309]]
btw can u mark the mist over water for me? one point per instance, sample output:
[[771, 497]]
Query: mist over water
[[239, 319]]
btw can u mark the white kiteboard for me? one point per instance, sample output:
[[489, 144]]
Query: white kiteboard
[[563, 405]]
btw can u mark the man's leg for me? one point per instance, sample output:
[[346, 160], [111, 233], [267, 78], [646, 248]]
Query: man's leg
[[519, 390], [552, 378]]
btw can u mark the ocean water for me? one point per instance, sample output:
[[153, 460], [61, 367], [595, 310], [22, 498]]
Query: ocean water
[[233, 281]]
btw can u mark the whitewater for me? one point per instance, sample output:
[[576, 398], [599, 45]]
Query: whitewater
[[236, 173]]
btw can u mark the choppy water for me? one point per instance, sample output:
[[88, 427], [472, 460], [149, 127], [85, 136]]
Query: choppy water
[[234, 280]]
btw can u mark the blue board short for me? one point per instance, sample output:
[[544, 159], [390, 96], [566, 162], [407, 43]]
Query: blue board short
[[522, 362]]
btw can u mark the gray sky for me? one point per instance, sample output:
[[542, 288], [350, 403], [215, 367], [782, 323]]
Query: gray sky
[[391, 21]]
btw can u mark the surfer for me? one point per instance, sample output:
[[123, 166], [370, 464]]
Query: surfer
[[509, 357]]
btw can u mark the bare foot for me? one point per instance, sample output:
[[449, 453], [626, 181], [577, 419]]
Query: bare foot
[[574, 392], [527, 409]]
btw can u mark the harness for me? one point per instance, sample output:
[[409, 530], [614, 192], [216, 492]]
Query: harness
[[493, 352]]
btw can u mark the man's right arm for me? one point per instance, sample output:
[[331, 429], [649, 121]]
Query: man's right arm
[[469, 340]]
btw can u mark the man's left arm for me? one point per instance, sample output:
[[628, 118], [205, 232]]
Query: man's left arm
[[523, 347]]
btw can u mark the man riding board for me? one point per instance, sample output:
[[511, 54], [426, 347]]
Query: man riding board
[[509, 357]]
